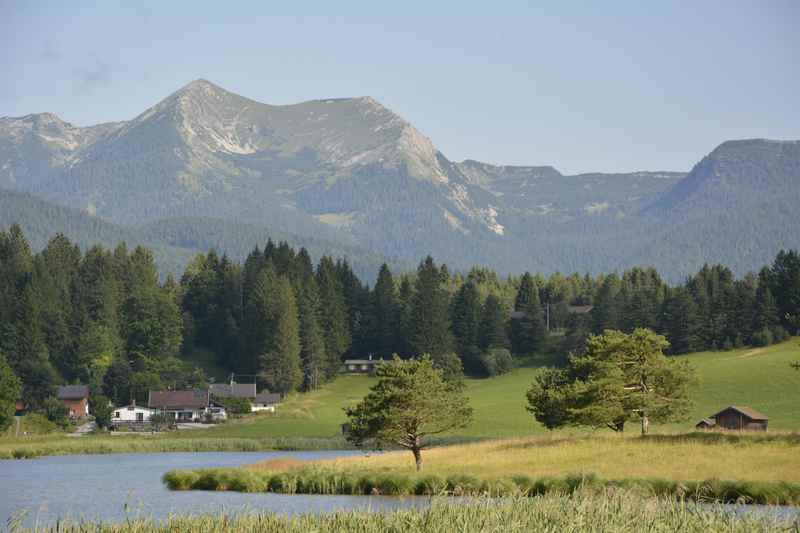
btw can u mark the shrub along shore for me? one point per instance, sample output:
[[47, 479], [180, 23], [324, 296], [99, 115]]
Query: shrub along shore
[[703, 467], [611, 511]]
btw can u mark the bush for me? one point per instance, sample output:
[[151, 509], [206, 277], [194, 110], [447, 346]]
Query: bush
[[56, 412], [497, 361], [451, 367], [101, 409], [234, 406], [762, 337], [779, 334]]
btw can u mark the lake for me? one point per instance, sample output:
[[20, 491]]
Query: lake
[[113, 487]]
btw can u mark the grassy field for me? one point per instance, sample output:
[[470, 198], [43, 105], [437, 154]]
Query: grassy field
[[677, 458], [702, 466], [758, 377]]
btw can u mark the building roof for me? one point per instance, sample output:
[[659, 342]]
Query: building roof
[[579, 309], [178, 399], [707, 421], [363, 361], [749, 412], [235, 390], [268, 398], [73, 392]]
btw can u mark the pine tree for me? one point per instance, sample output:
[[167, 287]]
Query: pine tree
[[527, 328], [466, 319], [334, 315], [430, 321], [385, 314], [280, 363], [493, 326], [681, 322], [312, 341]]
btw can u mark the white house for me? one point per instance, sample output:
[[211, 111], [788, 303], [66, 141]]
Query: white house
[[131, 413]]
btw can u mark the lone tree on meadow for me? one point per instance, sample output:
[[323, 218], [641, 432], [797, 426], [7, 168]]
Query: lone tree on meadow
[[621, 377], [410, 402]]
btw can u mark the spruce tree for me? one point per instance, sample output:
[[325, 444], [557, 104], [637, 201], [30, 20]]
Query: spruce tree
[[280, 363], [527, 327], [385, 314], [430, 321], [493, 326]]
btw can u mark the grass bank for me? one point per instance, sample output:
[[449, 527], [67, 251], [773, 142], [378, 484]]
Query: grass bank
[[28, 448], [613, 511], [716, 467]]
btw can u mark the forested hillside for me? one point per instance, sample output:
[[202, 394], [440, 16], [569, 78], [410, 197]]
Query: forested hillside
[[102, 317]]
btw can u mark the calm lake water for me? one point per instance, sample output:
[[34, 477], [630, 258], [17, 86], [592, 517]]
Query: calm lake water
[[113, 487]]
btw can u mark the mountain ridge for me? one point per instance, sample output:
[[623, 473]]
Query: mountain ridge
[[351, 171]]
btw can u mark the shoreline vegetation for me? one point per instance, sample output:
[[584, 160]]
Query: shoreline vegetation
[[97, 445], [613, 510], [728, 468]]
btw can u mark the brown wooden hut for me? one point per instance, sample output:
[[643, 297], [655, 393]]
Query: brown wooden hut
[[741, 418]]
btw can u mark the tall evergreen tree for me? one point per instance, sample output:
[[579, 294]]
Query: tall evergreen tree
[[493, 326], [527, 327], [280, 363], [430, 326]]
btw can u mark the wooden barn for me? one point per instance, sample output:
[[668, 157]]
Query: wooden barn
[[736, 418]]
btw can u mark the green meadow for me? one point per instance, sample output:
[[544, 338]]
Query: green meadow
[[761, 378]]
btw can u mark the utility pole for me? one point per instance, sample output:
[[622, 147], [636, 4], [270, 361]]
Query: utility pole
[[547, 314]]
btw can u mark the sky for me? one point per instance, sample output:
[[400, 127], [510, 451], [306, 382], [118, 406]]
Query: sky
[[583, 86]]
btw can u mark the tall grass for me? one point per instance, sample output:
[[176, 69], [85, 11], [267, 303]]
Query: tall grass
[[326, 480], [611, 511]]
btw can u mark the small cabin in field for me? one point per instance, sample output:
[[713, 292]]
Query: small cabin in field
[[362, 366], [736, 418], [76, 399]]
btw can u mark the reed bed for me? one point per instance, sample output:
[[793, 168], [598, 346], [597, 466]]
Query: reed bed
[[317, 479], [612, 511]]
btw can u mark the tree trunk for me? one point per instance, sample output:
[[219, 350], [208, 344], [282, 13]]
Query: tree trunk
[[417, 451], [645, 424]]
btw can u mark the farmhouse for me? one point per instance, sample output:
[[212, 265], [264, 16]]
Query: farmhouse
[[131, 414], [266, 401], [76, 399], [362, 366], [186, 405], [738, 418]]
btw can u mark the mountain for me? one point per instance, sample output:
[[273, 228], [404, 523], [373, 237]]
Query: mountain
[[356, 177]]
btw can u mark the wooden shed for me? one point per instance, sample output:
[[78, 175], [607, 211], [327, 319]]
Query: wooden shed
[[741, 418]]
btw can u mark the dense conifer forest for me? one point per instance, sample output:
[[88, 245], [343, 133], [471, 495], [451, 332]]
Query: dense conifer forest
[[103, 317]]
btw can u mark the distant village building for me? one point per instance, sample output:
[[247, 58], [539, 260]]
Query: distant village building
[[186, 405], [362, 366], [76, 399], [262, 401], [131, 415], [265, 401], [736, 418]]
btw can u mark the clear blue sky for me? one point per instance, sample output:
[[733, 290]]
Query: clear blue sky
[[594, 86]]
